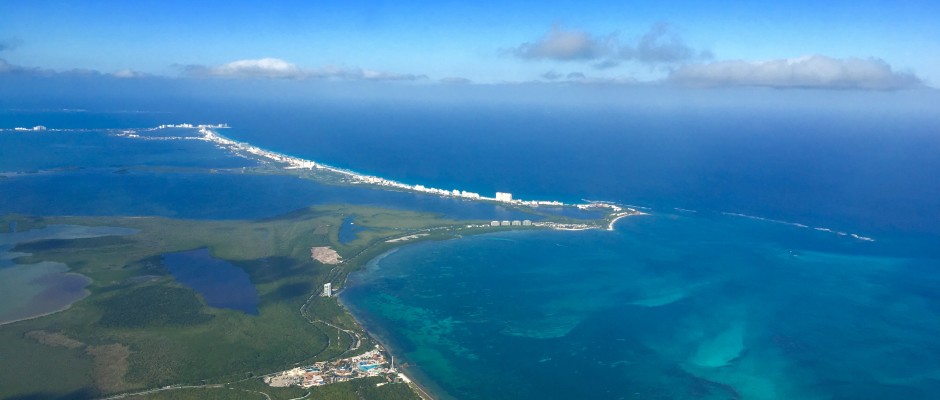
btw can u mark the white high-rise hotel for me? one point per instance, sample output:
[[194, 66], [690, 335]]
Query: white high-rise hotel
[[327, 289], [503, 196]]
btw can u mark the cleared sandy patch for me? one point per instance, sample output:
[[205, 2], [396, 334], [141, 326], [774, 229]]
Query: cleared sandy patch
[[325, 254]]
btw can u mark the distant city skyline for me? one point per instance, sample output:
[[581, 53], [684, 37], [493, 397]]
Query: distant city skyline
[[798, 44]]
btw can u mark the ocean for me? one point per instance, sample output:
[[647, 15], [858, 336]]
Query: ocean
[[668, 306], [744, 282]]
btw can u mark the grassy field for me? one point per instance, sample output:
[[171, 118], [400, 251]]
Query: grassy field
[[140, 329]]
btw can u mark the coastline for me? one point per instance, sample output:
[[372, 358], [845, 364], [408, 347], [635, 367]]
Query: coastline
[[421, 390], [3, 323], [417, 375], [247, 150], [85, 294], [333, 175], [610, 226], [282, 163]]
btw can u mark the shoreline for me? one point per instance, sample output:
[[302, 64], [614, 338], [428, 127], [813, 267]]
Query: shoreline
[[244, 149], [420, 390], [370, 265], [285, 163], [85, 295], [610, 226]]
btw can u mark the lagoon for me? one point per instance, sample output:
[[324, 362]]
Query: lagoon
[[220, 283], [32, 290]]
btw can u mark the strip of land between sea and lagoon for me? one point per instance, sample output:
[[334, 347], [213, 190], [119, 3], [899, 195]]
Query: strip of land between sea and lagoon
[[336, 260], [596, 215], [329, 174]]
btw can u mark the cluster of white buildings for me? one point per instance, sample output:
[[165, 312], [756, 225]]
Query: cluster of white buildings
[[37, 128], [209, 135], [442, 192], [191, 126], [299, 163], [511, 223], [612, 207], [369, 364]]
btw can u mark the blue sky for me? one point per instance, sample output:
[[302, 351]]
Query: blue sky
[[841, 44]]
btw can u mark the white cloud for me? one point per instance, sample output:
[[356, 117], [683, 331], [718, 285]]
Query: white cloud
[[279, 69], [455, 80], [259, 68], [129, 73], [660, 45], [804, 72], [565, 45], [386, 76]]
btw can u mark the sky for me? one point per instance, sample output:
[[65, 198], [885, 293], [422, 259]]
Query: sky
[[854, 45]]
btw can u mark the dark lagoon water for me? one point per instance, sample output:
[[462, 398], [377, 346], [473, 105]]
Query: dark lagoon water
[[348, 231], [94, 173], [220, 283], [88, 149], [687, 303]]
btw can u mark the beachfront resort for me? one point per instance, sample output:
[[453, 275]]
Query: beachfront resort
[[369, 364]]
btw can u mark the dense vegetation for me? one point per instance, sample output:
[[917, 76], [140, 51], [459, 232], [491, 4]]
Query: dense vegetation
[[152, 305], [140, 329]]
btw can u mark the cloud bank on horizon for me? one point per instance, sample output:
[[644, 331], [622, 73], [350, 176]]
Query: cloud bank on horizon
[[19, 70], [807, 72], [280, 69], [659, 56], [660, 47], [814, 72]]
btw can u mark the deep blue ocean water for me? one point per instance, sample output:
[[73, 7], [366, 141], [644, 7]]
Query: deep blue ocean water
[[811, 167], [676, 305]]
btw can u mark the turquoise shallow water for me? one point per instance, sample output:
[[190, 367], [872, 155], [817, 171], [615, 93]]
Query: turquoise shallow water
[[665, 307]]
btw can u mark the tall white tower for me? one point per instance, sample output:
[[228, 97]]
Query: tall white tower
[[327, 289]]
